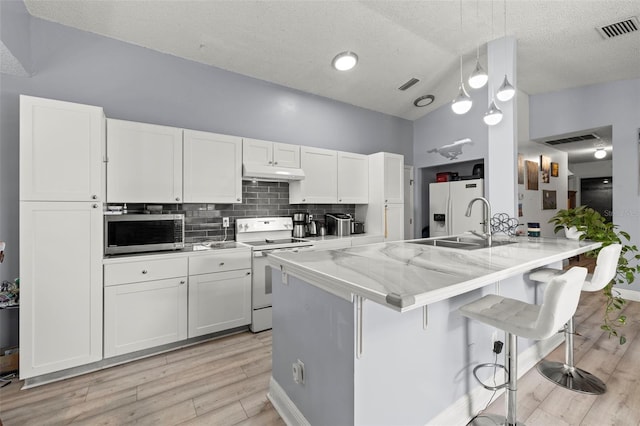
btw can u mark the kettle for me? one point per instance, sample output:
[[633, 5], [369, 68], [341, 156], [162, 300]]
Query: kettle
[[313, 227]]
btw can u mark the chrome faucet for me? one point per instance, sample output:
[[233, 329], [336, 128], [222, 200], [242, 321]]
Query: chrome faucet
[[486, 235]]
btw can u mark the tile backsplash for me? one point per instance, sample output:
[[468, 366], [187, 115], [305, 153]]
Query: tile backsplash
[[203, 222]]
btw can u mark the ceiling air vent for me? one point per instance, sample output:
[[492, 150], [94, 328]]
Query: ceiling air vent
[[588, 137], [619, 28], [408, 84]]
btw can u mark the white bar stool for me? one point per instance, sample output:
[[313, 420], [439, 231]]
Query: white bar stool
[[566, 374], [527, 320]]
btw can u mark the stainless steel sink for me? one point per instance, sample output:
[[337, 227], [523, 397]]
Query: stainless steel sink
[[460, 242]]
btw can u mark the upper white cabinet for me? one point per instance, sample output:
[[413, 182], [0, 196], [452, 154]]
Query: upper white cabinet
[[60, 286], [353, 178], [320, 185], [212, 168], [61, 151], [393, 173], [144, 162], [270, 153]]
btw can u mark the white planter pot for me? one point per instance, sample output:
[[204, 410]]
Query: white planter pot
[[572, 233]]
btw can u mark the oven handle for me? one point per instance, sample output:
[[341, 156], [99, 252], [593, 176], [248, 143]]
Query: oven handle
[[262, 253]]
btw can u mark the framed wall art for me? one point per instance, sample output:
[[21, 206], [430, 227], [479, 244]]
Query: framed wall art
[[520, 169], [549, 200], [554, 169], [532, 175], [545, 167]]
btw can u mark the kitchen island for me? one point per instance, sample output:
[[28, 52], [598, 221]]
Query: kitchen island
[[371, 335]]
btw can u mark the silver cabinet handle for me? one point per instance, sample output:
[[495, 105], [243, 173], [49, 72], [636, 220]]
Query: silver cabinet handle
[[177, 198], [94, 197], [248, 273], [275, 162], [304, 199], [144, 271], [270, 162], [221, 263], [238, 199], [340, 200], [95, 206], [182, 282]]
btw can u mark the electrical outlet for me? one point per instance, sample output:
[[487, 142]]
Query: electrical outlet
[[225, 222], [310, 217], [297, 368]]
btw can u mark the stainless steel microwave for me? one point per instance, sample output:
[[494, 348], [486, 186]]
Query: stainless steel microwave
[[137, 233]]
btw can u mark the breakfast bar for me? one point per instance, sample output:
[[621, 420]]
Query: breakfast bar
[[372, 335]]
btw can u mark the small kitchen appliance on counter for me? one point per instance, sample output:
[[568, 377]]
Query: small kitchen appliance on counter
[[338, 224], [357, 227], [264, 235], [300, 224]]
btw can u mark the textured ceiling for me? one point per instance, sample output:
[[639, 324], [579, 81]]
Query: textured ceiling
[[292, 42]]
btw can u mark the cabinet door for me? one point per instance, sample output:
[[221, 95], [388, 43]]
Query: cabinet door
[[393, 178], [353, 178], [143, 315], [61, 151], [219, 301], [286, 155], [394, 222], [60, 286], [212, 168], [144, 163], [257, 151], [320, 185]]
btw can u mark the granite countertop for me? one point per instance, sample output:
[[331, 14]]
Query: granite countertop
[[404, 275]]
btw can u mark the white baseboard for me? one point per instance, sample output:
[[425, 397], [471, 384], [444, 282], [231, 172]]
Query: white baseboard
[[627, 294], [477, 399], [284, 406]]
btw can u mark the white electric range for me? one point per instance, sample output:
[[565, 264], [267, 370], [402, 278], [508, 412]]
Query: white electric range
[[265, 235]]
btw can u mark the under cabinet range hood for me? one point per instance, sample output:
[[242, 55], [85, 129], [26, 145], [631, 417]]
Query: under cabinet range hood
[[254, 171]]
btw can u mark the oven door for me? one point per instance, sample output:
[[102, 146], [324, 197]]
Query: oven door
[[261, 276]]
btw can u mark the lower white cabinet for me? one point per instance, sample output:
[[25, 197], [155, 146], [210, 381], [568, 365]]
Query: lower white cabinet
[[60, 286], [219, 301], [143, 315], [393, 222], [145, 304]]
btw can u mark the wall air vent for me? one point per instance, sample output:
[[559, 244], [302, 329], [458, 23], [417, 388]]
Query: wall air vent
[[619, 28], [408, 84], [587, 137]]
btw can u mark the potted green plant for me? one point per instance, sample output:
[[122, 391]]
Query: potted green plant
[[594, 227]]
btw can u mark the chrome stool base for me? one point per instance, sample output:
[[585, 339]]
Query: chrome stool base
[[492, 420], [572, 378]]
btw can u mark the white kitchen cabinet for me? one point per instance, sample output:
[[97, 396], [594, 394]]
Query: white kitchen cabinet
[[268, 153], [385, 212], [60, 286], [353, 178], [393, 172], [144, 314], [212, 168], [320, 185], [61, 151], [394, 222], [219, 301], [145, 303], [219, 291], [144, 162]]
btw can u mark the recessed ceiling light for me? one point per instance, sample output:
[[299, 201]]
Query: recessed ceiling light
[[600, 153], [423, 101], [345, 61]]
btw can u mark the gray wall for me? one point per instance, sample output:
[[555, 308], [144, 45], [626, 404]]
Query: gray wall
[[134, 83], [614, 104]]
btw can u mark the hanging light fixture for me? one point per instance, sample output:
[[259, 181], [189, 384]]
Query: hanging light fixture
[[493, 116], [462, 103], [479, 76], [506, 91]]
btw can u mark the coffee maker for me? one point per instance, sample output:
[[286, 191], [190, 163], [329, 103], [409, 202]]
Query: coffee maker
[[300, 224]]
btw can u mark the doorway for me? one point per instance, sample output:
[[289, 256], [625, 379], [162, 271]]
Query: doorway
[[597, 193]]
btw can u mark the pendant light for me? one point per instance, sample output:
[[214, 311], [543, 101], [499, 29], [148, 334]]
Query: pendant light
[[506, 91], [462, 103], [493, 116], [479, 76]]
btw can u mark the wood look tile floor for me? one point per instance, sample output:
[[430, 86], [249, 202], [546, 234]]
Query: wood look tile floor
[[224, 382]]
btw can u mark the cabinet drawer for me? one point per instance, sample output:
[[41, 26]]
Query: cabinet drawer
[[147, 270], [219, 262]]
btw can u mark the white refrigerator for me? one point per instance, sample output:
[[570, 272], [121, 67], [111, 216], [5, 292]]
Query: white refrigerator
[[448, 203]]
